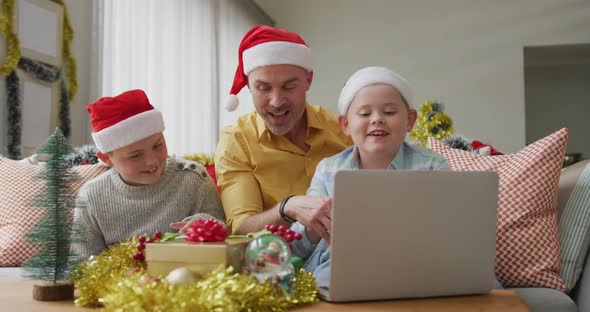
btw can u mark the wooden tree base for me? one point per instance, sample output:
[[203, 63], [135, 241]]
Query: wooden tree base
[[53, 292]]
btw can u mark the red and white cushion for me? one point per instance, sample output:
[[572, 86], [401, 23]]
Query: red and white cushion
[[527, 243], [18, 186]]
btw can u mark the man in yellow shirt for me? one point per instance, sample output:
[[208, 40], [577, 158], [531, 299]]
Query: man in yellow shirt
[[270, 155]]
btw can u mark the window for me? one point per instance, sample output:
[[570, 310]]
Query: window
[[183, 54]]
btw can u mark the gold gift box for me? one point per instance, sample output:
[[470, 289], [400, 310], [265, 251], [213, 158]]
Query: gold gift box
[[200, 258]]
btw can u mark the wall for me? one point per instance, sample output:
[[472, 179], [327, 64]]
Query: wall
[[466, 53], [557, 88], [80, 13]]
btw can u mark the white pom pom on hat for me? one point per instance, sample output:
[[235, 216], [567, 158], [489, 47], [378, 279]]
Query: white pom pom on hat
[[231, 102], [370, 76], [262, 46]]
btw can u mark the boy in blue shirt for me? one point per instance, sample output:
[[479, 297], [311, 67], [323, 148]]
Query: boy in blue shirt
[[145, 190], [377, 110]]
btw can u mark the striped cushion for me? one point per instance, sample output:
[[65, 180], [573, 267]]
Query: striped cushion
[[527, 244], [574, 222], [17, 188]]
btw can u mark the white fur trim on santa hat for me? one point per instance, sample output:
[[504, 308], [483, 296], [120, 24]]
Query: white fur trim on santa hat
[[128, 131], [275, 53], [231, 102], [370, 76]]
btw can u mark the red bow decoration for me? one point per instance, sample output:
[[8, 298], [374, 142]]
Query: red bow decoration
[[206, 231]]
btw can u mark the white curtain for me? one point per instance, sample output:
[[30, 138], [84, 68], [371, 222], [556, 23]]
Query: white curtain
[[235, 19], [171, 50]]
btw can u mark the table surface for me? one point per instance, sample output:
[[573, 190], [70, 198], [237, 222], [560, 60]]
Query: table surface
[[16, 295]]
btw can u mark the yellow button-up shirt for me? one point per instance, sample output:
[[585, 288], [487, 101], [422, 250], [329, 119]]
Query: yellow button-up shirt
[[256, 169]]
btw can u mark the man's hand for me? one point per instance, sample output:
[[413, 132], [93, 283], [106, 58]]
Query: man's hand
[[315, 212]]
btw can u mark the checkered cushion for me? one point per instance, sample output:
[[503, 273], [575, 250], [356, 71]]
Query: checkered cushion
[[17, 188], [527, 244]]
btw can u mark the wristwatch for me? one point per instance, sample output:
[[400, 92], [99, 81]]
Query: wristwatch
[[282, 210]]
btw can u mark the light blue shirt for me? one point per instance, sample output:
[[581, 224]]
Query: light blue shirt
[[409, 157]]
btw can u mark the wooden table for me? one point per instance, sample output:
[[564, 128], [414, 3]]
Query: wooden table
[[16, 295]]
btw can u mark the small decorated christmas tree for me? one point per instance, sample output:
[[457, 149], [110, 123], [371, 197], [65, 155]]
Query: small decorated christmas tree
[[53, 231], [431, 122]]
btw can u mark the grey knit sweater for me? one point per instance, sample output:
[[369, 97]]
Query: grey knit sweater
[[109, 211]]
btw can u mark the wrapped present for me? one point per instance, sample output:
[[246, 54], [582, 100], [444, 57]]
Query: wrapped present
[[163, 257]]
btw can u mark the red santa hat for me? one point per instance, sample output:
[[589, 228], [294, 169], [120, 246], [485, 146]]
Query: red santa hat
[[262, 46], [370, 76], [122, 120]]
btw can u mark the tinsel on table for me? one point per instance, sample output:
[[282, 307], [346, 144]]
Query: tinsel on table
[[92, 278], [221, 290], [111, 280]]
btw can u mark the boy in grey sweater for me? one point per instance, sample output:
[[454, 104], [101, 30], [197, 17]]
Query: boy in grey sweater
[[144, 191]]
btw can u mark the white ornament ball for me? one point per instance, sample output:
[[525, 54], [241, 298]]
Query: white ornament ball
[[180, 276], [231, 103]]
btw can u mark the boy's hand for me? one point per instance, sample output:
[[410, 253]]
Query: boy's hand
[[183, 226], [315, 212]]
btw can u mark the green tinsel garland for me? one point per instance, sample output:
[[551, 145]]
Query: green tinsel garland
[[41, 72], [64, 110], [14, 115], [8, 33]]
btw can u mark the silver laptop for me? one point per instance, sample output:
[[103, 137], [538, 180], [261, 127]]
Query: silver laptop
[[412, 234]]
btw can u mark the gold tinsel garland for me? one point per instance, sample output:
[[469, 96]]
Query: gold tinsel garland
[[201, 158], [12, 45], [92, 278], [111, 280], [431, 122], [13, 48], [71, 68]]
